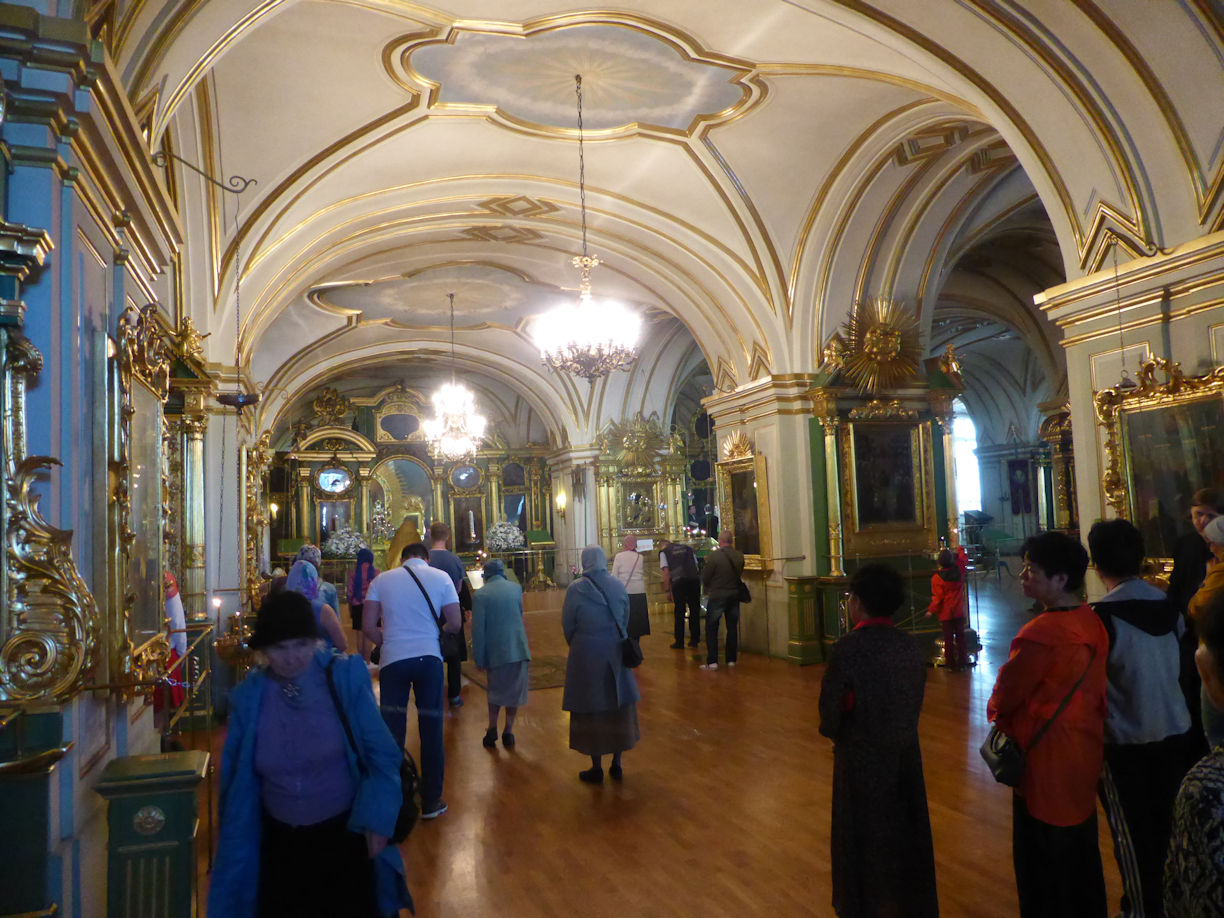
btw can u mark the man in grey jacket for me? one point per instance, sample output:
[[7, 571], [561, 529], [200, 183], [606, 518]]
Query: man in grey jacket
[[721, 579]]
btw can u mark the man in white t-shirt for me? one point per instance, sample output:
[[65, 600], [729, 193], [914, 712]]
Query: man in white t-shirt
[[396, 615]]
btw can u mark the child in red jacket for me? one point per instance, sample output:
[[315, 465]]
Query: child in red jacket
[[948, 601]]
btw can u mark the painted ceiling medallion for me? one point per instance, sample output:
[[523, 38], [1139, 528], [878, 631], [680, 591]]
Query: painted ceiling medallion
[[634, 76], [881, 345]]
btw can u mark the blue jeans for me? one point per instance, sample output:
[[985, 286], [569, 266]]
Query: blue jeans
[[422, 675], [717, 608]]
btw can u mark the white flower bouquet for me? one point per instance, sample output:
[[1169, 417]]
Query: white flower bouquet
[[343, 543], [504, 536]]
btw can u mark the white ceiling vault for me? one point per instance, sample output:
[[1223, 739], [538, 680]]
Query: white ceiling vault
[[752, 169]]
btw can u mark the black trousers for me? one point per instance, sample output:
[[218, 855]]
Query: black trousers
[[453, 669], [1058, 868], [686, 594], [1138, 787], [316, 871], [727, 607]]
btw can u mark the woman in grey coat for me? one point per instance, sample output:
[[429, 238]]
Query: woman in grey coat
[[600, 693], [499, 645]]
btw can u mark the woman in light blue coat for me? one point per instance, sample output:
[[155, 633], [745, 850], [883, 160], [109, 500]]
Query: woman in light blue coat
[[499, 646], [601, 694], [305, 817]]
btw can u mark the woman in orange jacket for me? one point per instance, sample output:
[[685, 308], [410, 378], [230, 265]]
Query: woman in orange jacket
[[948, 602]]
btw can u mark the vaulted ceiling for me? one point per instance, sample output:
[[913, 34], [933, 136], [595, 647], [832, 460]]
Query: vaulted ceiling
[[752, 169]]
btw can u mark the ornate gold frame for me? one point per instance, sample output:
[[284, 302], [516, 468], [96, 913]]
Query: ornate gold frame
[[143, 358], [650, 488], [894, 537], [50, 626], [1114, 404], [726, 512], [401, 400]]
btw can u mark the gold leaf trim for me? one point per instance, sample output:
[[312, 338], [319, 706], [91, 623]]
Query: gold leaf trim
[[737, 446]]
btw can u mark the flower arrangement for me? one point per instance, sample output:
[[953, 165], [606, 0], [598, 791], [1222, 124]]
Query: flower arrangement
[[343, 543], [504, 536], [381, 528]]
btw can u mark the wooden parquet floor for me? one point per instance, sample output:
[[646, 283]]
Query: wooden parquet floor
[[724, 809]]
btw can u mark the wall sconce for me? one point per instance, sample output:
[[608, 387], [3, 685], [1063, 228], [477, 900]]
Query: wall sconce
[[561, 504], [273, 508]]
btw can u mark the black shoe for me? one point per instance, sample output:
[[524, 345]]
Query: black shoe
[[696, 642], [456, 702], [591, 776], [677, 646], [508, 739], [616, 773], [490, 738]]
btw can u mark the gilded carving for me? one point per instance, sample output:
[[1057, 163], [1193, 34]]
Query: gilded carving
[[949, 364], [834, 354], [737, 446], [883, 345], [189, 343], [879, 409], [51, 626], [331, 407], [636, 445], [259, 458], [142, 349]]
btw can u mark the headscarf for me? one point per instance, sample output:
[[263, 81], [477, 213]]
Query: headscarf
[[1213, 532], [311, 553], [365, 572], [594, 559], [629, 543], [494, 568], [304, 579]]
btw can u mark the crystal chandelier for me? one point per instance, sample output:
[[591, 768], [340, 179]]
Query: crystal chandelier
[[590, 338], [455, 430]]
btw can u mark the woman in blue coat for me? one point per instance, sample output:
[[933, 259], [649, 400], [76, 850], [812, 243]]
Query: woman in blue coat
[[304, 823], [601, 694], [499, 646]]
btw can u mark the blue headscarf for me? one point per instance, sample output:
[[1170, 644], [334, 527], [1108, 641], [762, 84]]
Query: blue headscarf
[[494, 568], [602, 588], [304, 579]]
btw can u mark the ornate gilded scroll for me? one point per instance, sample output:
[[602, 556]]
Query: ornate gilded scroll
[[51, 624]]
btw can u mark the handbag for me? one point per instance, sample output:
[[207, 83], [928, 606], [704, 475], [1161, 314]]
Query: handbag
[[631, 650], [410, 777], [451, 643], [744, 595], [1005, 757]]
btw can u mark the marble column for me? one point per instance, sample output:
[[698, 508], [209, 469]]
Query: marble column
[[195, 426]]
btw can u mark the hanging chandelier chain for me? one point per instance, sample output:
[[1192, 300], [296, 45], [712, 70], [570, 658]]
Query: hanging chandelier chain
[[452, 330], [581, 164]]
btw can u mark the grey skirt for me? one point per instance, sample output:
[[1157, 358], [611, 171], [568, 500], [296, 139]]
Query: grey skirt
[[604, 732], [508, 684]]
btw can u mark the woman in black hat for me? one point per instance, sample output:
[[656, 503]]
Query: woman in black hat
[[305, 816]]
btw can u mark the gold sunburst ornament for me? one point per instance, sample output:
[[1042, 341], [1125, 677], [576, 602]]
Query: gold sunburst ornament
[[882, 344]]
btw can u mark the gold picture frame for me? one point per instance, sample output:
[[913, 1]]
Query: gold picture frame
[[887, 487], [743, 507], [1163, 441], [140, 647], [637, 503]]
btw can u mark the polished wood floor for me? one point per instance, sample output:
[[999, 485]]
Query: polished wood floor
[[724, 809]]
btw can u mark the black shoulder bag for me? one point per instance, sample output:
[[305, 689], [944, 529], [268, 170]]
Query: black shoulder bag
[[450, 643], [410, 778], [631, 651], [1005, 757]]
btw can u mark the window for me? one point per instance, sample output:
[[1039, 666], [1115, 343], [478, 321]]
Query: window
[[964, 448]]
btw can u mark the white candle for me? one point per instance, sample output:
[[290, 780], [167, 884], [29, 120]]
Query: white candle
[[471, 526]]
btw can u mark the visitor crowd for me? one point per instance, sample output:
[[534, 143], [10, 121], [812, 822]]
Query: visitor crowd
[[1107, 700]]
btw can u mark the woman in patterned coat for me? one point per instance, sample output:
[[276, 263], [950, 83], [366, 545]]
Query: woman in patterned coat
[[870, 699]]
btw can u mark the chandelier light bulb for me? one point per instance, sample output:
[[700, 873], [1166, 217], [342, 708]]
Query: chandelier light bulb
[[455, 430]]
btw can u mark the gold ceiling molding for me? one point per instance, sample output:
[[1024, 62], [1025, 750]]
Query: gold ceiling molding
[[1109, 228], [519, 206], [994, 157], [997, 95], [835, 173], [931, 142], [503, 233], [397, 53]]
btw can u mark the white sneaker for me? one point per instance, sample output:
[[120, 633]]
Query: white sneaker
[[709, 666], [731, 663]]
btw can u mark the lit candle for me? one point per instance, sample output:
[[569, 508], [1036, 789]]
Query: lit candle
[[471, 526]]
